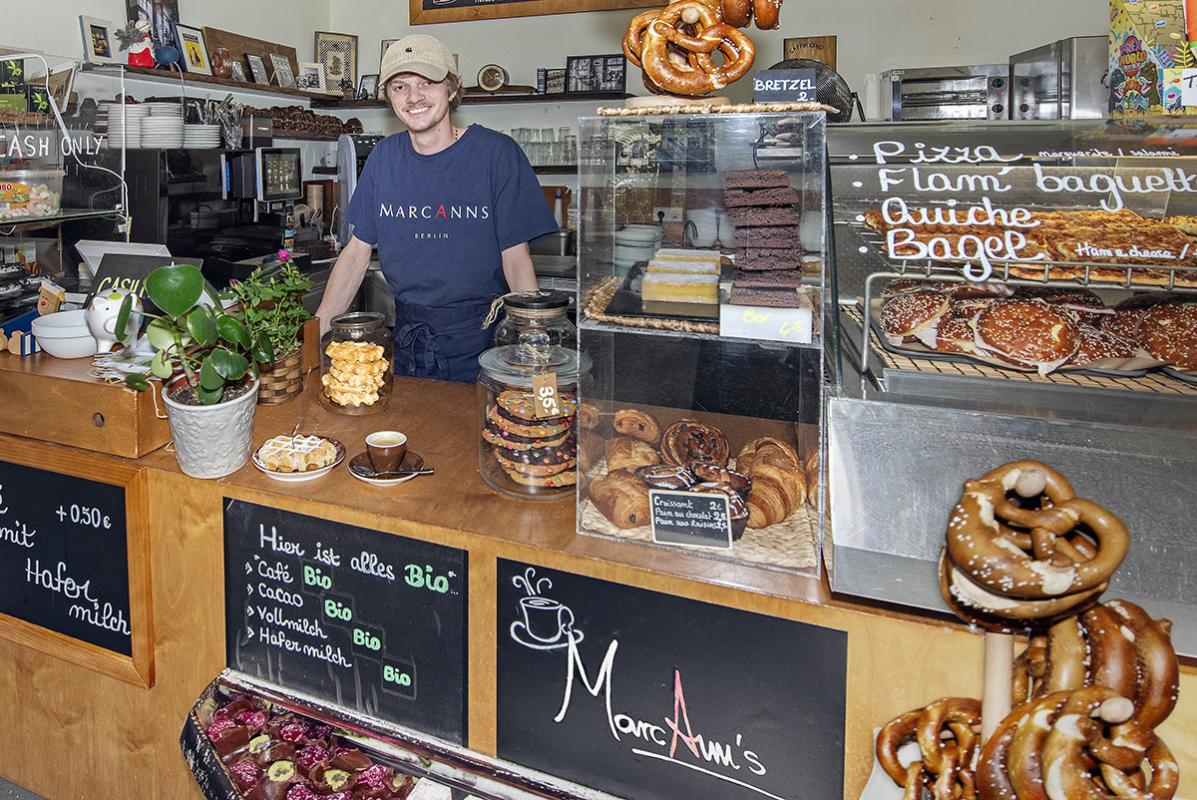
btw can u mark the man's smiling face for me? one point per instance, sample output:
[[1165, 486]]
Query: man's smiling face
[[420, 103]]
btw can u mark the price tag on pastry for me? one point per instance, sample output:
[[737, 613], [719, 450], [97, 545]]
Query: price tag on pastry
[[690, 519], [547, 403]]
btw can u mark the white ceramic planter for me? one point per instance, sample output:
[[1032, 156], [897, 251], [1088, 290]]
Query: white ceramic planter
[[212, 441]]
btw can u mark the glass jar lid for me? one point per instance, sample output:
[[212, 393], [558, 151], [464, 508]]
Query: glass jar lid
[[518, 364], [356, 322], [536, 301]]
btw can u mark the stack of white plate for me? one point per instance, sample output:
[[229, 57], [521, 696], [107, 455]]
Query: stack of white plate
[[636, 243], [162, 131], [165, 109], [124, 125], [201, 137]]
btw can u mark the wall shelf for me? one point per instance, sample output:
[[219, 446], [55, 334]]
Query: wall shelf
[[483, 99], [206, 81]]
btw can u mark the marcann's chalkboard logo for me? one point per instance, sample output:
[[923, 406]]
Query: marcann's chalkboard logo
[[548, 624]]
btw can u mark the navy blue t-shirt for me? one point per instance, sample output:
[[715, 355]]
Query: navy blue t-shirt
[[442, 221]]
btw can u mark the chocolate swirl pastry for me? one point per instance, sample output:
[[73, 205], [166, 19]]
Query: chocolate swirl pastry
[[709, 473], [689, 442], [666, 476]]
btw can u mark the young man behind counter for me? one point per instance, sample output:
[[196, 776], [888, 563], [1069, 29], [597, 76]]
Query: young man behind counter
[[451, 211]]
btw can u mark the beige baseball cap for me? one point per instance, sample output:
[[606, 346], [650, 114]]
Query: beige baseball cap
[[419, 53]]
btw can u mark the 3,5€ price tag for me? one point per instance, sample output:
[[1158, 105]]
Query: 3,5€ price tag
[[545, 398]]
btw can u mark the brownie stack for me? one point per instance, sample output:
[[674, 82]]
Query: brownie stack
[[764, 210]]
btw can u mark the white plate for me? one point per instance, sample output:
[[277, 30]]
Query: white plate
[[300, 477]]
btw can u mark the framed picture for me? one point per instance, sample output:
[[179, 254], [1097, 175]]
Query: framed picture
[[338, 53], [61, 83], [257, 69], [283, 76], [423, 12], [367, 87], [97, 40], [596, 73], [311, 77], [238, 71], [161, 14], [191, 44], [383, 53]]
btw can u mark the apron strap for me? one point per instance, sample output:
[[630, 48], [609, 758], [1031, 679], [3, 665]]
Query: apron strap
[[406, 341]]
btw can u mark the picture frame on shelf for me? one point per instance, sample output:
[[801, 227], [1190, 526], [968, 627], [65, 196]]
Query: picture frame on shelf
[[284, 77], [160, 14], [589, 74], [383, 52], [238, 72], [257, 69], [194, 49], [367, 87], [61, 83], [338, 53], [311, 77], [98, 47]]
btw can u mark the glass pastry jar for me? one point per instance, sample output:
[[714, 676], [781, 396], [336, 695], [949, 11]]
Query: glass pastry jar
[[527, 417], [356, 370], [544, 310]]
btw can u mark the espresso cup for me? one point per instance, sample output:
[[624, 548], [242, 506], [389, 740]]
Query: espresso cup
[[545, 619], [386, 450]]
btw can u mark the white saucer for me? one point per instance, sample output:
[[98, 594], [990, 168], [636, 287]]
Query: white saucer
[[519, 632], [362, 461]]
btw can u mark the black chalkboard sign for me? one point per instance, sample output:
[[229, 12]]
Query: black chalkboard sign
[[360, 618], [784, 86], [690, 518], [64, 556], [642, 694]]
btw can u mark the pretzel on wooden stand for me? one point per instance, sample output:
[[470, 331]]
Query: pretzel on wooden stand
[[676, 48], [947, 732]]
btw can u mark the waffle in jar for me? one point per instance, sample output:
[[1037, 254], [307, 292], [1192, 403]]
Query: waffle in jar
[[356, 373]]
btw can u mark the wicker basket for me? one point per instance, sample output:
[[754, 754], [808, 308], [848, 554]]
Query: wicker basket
[[282, 380]]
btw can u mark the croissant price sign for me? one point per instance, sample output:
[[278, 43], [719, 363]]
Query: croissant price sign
[[646, 695], [784, 86]]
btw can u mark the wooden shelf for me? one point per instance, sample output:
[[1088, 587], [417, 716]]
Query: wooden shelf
[[484, 99], [171, 76]]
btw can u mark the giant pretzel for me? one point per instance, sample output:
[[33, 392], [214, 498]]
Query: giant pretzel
[[1115, 645], [1005, 562], [947, 732], [1058, 748], [676, 47]]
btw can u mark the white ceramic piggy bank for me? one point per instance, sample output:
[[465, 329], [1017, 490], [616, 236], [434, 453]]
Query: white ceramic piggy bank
[[101, 319]]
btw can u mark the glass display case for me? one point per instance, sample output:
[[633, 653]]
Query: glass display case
[[1014, 291], [701, 244]]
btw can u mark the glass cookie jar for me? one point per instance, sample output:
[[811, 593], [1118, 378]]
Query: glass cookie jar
[[356, 364], [527, 417], [545, 310]]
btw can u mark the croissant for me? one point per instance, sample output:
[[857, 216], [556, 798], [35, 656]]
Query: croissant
[[624, 452], [778, 482], [769, 451], [622, 498]]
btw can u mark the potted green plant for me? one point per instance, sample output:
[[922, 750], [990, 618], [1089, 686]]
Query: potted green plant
[[207, 360], [274, 311]]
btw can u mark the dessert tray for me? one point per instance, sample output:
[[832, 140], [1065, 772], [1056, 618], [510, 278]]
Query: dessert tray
[[295, 459]]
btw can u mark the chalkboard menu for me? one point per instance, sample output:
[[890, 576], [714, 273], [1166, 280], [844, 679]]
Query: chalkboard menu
[[642, 694], [363, 619], [690, 519], [64, 557]]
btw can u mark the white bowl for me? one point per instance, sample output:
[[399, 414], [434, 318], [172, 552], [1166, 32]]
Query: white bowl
[[69, 346], [61, 325]]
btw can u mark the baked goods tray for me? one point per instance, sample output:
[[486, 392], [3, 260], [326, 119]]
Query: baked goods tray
[[628, 302], [1125, 368], [1072, 395], [1065, 274]]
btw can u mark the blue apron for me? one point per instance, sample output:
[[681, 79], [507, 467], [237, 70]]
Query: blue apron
[[441, 343]]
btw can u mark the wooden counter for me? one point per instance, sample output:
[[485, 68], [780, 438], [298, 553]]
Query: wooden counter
[[70, 732]]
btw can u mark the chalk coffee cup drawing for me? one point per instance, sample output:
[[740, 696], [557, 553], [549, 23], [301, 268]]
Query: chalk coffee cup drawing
[[545, 619], [386, 449]]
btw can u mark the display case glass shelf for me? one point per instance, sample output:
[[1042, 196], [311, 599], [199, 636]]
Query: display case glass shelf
[[701, 241]]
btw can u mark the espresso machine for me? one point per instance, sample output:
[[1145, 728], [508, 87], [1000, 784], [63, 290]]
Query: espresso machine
[[352, 151]]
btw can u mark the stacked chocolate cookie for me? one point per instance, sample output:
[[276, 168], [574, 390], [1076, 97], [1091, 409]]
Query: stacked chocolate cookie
[[533, 451], [764, 210]]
